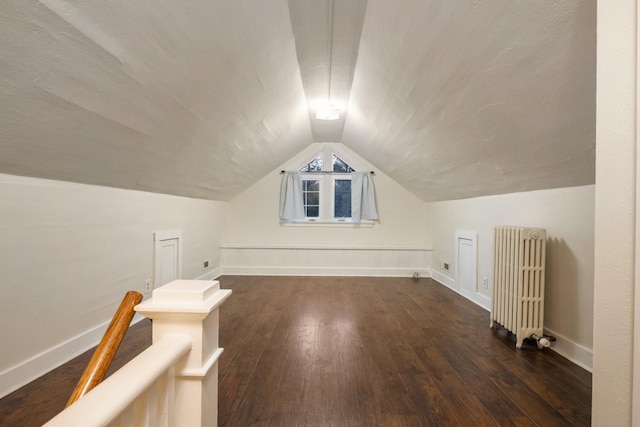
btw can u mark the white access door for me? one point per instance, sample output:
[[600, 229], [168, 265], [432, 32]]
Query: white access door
[[466, 266], [167, 257]]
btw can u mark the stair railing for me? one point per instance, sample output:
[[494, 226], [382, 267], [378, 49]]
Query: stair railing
[[173, 383], [105, 352]]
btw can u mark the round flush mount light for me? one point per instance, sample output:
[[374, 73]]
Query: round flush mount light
[[328, 114], [327, 110]]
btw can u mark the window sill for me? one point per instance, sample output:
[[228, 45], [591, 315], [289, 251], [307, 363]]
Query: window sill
[[346, 223]]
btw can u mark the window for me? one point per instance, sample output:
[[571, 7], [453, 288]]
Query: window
[[326, 188]]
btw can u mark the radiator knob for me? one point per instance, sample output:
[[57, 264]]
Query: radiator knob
[[544, 342]]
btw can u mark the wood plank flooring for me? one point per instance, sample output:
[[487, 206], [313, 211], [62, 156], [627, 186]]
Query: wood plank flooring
[[336, 351]]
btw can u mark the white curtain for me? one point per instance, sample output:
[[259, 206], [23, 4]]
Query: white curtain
[[363, 197], [291, 199]]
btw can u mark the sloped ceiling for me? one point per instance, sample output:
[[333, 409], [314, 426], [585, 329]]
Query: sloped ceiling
[[202, 98]]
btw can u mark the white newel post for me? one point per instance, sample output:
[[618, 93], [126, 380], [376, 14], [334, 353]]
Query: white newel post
[[191, 307]]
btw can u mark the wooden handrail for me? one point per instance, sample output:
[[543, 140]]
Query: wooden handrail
[[102, 357]]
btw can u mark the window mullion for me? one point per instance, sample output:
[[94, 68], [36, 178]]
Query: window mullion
[[326, 198], [327, 193]]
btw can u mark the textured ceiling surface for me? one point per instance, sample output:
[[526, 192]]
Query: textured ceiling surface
[[451, 99]]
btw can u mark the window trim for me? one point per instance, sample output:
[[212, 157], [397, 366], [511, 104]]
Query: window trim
[[315, 223]]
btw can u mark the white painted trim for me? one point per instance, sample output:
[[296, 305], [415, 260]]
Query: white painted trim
[[321, 247], [27, 371], [571, 350], [210, 275], [202, 372], [635, 390], [350, 224], [450, 283], [483, 301], [323, 271], [443, 279], [158, 237]]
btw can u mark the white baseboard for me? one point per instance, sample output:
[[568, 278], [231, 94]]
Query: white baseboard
[[323, 271], [443, 279], [22, 374], [211, 275], [483, 301], [29, 370], [477, 298], [571, 350]]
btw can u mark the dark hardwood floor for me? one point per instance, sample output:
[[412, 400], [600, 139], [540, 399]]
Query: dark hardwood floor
[[337, 351]]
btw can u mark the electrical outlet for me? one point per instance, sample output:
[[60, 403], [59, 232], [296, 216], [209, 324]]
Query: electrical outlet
[[445, 265], [485, 282], [147, 286], [206, 264]]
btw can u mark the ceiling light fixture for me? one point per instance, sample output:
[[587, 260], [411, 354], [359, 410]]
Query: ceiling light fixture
[[327, 110]]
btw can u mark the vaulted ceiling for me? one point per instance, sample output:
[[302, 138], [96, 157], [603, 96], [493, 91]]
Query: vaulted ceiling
[[202, 98]]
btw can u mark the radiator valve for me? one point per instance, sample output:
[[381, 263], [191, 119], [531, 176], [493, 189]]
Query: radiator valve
[[543, 341]]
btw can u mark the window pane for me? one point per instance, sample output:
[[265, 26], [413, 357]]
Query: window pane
[[313, 185], [343, 185], [340, 165], [314, 165], [342, 193], [312, 211], [313, 199]]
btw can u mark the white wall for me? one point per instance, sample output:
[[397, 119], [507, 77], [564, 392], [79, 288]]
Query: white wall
[[616, 232], [254, 226], [69, 254], [568, 216]]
